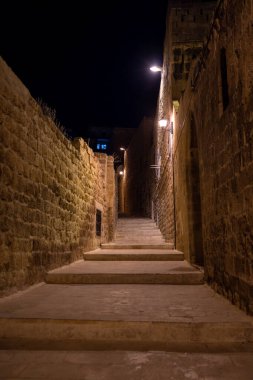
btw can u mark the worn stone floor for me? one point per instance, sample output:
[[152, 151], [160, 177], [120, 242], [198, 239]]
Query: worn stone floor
[[165, 303], [124, 365], [124, 331]]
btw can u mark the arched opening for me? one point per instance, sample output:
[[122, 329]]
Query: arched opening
[[194, 200]]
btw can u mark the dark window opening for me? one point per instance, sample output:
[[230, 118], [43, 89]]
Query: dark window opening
[[98, 222], [224, 78]]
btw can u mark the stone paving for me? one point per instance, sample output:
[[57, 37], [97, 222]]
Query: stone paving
[[124, 331], [174, 303], [123, 365]]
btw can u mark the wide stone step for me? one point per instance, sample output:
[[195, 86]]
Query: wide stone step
[[126, 272], [125, 365], [140, 236], [125, 335], [138, 232], [139, 241], [135, 220], [119, 317], [139, 227], [133, 255], [130, 245], [134, 227]]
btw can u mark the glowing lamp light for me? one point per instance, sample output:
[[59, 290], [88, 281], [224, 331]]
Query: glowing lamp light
[[163, 123], [155, 69], [122, 148], [121, 173]]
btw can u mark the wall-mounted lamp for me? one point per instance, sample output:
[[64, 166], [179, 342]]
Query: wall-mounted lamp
[[164, 123], [155, 69], [122, 148]]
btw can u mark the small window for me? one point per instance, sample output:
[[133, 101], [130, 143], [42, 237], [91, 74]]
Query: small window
[[98, 222], [102, 144]]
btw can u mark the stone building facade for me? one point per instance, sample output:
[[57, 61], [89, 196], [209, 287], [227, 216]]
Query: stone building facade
[[202, 193], [53, 190], [208, 104]]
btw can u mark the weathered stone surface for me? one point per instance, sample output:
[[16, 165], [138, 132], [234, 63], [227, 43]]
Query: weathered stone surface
[[212, 149], [50, 188]]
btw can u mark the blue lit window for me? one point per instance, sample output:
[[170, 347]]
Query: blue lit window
[[101, 145]]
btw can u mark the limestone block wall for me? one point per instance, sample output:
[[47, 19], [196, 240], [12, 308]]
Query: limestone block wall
[[50, 188], [162, 184], [107, 181], [162, 193], [138, 174], [216, 136]]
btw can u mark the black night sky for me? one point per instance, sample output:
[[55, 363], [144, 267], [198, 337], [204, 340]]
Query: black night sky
[[89, 61]]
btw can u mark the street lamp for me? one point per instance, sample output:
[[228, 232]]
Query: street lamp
[[155, 69], [163, 123]]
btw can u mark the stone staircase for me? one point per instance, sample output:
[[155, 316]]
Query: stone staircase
[[125, 299], [137, 233]]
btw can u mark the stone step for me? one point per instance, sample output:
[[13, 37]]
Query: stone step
[[133, 255], [126, 272], [121, 317], [125, 278], [125, 365], [89, 335], [131, 245], [139, 233], [145, 235], [136, 231], [139, 227], [135, 220], [129, 225], [139, 241]]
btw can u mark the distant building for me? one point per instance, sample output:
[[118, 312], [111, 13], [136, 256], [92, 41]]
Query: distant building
[[109, 140]]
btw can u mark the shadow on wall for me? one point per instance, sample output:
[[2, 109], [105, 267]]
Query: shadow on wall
[[194, 199]]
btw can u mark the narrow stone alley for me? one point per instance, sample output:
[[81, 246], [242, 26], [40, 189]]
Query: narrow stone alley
[[134, 309], [129, 255]]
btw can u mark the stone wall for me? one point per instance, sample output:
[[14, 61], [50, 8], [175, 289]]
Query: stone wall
[[213, 156], [138, 174], [50, 189], [162, 186]]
